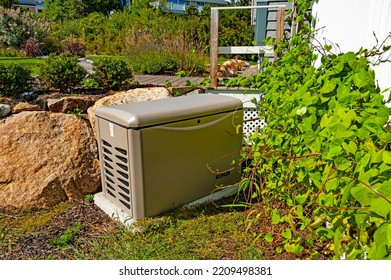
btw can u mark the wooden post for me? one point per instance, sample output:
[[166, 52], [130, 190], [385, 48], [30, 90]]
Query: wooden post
[[214, 26], [293, 19], [279, 28]]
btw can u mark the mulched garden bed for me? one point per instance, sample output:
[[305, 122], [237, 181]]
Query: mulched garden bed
[[36, 245]]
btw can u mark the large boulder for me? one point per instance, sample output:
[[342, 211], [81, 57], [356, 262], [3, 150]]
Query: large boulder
[[125, 97], [46, 158]]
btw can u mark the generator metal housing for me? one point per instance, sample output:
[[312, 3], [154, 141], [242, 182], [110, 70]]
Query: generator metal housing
[[159, 154]]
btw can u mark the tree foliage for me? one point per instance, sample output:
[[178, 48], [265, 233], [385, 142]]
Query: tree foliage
[[58, 10], [235, 27], [8, 3]]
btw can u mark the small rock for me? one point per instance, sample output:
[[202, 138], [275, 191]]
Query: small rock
[[41, 102], [231, 67], [29, 96], [5, 110], [195, 92], [67, 104], [175, 91], [24, 106]]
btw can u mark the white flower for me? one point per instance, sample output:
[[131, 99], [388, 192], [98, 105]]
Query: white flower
[[301, 111]]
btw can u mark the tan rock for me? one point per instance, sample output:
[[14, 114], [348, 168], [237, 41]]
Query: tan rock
[[24, 106], [46, 158], [133, 95], [71, 103], [231, 67], [175, 91]]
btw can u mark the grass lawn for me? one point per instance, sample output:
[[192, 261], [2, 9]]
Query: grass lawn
[[30, 62], [211, 231], [68, 231]]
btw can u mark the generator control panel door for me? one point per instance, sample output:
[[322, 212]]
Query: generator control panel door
[[189, 159]]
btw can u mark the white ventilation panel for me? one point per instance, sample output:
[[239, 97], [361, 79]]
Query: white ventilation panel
[[251, 120]]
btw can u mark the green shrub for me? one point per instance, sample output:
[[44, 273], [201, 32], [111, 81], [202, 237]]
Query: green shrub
[[112, 72], [68, 236], [90, 82], [14, 79], [32, 47], [18, 25], [10, 52], [152, 62], [74, 46], [191, 61], [62, 72], [324, 155]]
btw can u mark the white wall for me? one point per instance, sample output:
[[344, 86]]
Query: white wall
[[351, 23]]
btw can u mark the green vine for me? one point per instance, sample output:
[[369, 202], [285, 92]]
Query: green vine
[[325, 151]]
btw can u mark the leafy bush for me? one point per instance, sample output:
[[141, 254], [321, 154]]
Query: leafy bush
[[10, 52], [148, 58], [90, 82], [130, 31], [17, 25], [112, 72], [192, 61], [168, 54], [235, 27], [14, 79], [324, 154], [32, 47], [74, 46], [62, 72]]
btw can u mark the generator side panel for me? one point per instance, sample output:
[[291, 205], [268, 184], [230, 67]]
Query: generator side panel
[[115, 164], [190, 159]]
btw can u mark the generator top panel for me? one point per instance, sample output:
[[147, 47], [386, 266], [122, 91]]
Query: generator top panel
[[154, 112]]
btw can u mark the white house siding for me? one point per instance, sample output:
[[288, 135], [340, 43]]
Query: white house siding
[[351, 24]]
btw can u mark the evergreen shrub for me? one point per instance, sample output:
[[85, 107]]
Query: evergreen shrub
[[62, 72], [14, 79], [112, 72]]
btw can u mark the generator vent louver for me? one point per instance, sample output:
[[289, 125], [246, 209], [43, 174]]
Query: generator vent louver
[[116, 174]]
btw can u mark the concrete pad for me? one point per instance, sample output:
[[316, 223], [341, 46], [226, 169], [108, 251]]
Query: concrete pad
[[112, 210], [214, 196]]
